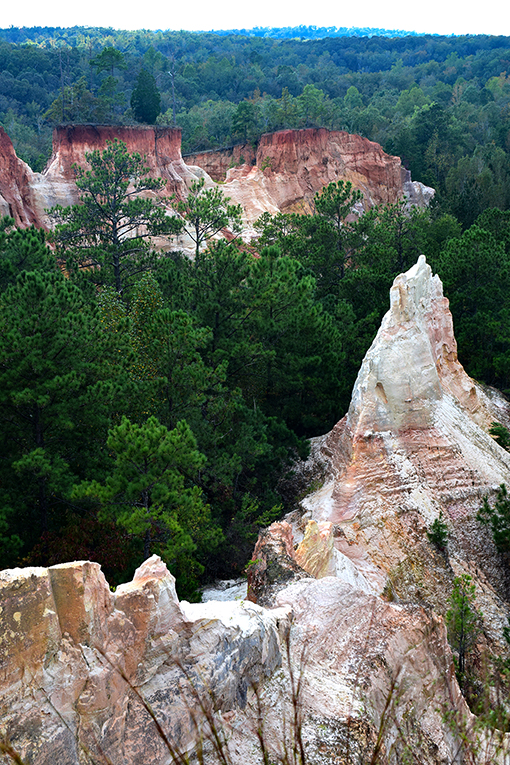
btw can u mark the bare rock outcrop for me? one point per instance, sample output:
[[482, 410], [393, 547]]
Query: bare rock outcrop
[[75, 660], [414, 442], [273, 564], [16, 183], [290, 166], [283, 174], [80, 668]]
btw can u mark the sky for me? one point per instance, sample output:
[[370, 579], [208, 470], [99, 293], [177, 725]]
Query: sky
[[434, 16]]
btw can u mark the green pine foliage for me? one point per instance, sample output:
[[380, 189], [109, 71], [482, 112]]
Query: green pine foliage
[[150, 492], [438, 533], [464, 625], [497, 517], [50, 411], [146, 98], [500, 434], [22, 250]]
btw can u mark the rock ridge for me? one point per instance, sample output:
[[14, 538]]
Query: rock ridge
[[71, 651], [414, 443], [283, 174]]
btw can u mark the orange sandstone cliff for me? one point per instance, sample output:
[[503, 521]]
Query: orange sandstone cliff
[[284, 173], [16, 185], [290, 166]]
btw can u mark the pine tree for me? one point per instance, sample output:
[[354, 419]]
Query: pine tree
[[206, 212], [22, 250], [464, 624], [146, 98], [50, 362], [149, 491], [108, 235]]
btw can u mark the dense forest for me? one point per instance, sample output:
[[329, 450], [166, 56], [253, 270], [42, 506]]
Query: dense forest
[[158, 404]]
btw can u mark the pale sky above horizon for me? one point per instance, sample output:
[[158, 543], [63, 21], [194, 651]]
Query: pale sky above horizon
[[432, 17]]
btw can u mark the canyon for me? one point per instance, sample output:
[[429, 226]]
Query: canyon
[[282, 175], [344, 622]]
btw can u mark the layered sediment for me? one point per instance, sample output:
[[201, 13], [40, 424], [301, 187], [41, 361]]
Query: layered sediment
[[281, 175]]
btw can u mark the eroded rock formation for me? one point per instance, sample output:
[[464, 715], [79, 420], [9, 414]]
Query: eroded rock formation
[[72, 654], [16, 183], [160, 148], [290, 166], [414, 442], [78, 664], [282, 175]]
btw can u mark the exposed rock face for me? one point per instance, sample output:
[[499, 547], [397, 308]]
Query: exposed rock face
[[160, 148], [16, 181], [218, 163], [316, 156], [76, 661], [273, 564], [283, 175], [309, 159], [414, 442], [290, 166], [70, 649]]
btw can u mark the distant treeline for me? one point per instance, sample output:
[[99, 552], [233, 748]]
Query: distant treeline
[[301, 32]]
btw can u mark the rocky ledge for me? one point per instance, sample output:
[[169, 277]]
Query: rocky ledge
[[283, 174]]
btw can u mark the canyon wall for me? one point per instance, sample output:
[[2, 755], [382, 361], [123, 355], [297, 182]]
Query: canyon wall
[[284, 173], [16, 185], [290, 166]]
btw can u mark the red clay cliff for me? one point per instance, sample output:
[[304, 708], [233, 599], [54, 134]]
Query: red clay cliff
[[284, 173]]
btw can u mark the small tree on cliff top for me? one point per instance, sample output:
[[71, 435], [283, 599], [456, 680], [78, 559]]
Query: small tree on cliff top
[[108, 235]]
